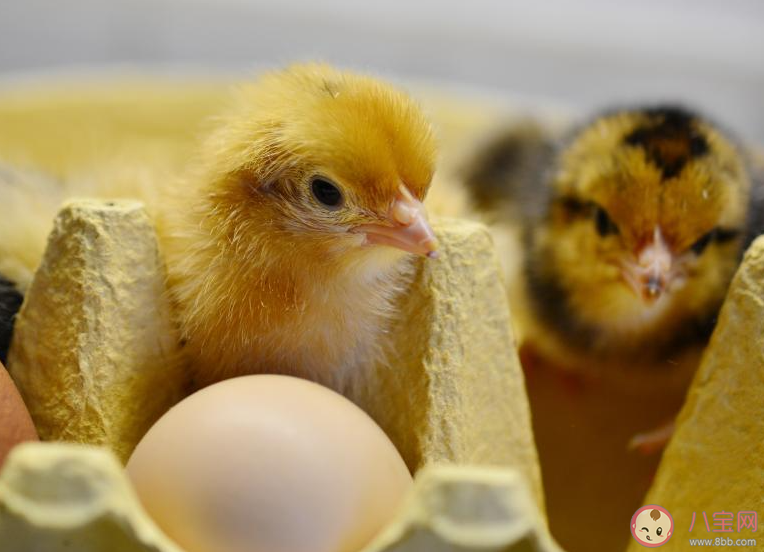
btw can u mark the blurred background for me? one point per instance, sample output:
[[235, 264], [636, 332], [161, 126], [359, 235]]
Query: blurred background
[[584, 54]]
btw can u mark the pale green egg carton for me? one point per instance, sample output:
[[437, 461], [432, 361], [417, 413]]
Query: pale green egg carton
[[92, 365]]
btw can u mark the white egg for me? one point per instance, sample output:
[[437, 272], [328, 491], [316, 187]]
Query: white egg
[[268, 464]]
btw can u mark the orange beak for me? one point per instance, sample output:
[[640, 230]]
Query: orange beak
[[651, 275], [408, 229]]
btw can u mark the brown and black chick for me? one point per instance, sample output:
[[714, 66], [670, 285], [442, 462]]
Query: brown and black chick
[[630, 229]]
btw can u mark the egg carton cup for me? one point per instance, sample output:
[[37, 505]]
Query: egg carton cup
[[95, 356]]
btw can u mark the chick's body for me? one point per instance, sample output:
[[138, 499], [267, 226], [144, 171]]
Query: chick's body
[[632, 228], [277, 238], [264, 262]]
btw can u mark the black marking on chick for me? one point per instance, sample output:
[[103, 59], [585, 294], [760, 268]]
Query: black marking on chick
[[10, 303], [550, 300], [670, 140], [507, 169], [330, 88], [755, 222], [717, 235]]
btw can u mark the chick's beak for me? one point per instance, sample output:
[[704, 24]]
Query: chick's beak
[[408, 228], [652, 273]]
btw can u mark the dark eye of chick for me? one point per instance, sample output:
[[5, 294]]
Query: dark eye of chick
[[719, 235], [605, 226], [326, 193], [659, 531], [700, 245]]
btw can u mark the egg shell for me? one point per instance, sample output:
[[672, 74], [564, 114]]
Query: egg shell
[[268, 464], [15, 422]]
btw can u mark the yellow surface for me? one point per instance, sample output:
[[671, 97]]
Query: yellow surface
[[94, 351], [66, 127]]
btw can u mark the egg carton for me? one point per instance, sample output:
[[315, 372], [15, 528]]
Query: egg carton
[[94, 360], [93, 356]]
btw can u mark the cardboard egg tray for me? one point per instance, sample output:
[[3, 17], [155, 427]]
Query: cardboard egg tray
[[94, 362], [94, 355]]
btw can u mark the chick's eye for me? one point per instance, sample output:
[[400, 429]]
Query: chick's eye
[[718, 235], [659, 531], [326, 193], [700, 245], [602, 222]]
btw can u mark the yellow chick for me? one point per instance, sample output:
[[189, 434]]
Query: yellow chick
[[631, 228], [286, 248], [294, 229]]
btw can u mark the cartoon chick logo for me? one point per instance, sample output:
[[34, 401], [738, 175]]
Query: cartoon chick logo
[[652, 526]]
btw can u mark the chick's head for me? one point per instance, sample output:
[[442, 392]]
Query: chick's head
[[645, 222], [323, 165]]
